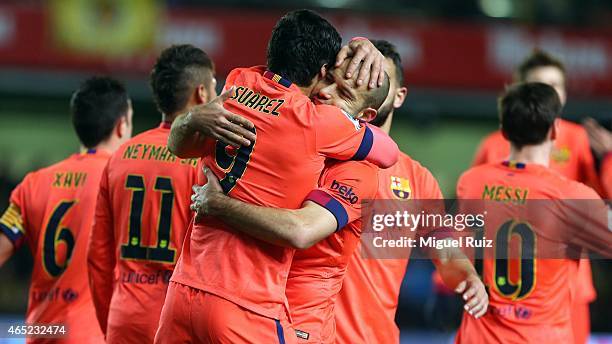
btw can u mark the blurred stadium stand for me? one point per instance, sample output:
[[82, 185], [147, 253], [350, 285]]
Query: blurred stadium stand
[[457, 55]]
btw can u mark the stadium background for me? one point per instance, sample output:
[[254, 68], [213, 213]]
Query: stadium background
[[457, 56]]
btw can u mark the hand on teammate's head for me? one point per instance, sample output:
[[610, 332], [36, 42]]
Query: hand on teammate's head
[[363, 53]]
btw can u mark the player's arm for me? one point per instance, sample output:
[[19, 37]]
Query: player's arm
[[459, 274], [340, 137], [606, 174], [101, 255], [12, 222], [324, 211], [189, 131]]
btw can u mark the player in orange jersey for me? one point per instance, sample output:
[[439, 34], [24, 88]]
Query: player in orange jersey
[[531, 303], [571, 156], [327, 227], [601, 142], [143, 211], [224, 272], [52, 210]]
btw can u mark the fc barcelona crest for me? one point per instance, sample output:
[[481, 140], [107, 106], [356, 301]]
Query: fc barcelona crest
[[401, 187]]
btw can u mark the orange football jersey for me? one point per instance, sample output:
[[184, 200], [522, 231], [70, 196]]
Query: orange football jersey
[[52, 210], [529, 299], [366, 305], [140, 223], [571, 156], [316, 274], [279, 169], [606, 175]]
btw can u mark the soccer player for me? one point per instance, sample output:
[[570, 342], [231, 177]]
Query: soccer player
[[52, 210], [328, 226], [531, 303], [235, 282], [143, 211], [367, 303], [601, 142], [571, 156]]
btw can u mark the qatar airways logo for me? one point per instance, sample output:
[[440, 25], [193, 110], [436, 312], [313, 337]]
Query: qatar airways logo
[[345, 192]]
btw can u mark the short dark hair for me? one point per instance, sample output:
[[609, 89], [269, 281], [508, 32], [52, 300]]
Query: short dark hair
[[177, 71], [302, 41], [96, 107], [538, 58], [527, 112], [374, 98], [390, 51]]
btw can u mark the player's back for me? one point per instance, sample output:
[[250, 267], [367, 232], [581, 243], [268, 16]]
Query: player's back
[[529, 295], [148, 191], [367, 303], [57, 206], [278, 170]]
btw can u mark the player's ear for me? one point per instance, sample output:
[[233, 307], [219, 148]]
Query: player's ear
[[400, 96], [367, 115], [201, 95], [323, 72], [553, 130]]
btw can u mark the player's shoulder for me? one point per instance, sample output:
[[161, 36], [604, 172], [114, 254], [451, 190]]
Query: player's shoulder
[[571, 189], [359, 168], [494, 138], [478, 172], [244, 72], [362, 172]]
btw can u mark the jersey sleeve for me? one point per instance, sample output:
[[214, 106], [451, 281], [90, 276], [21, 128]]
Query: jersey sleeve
[[342, 189], [339, 136], [101, 254], [588, 171], [12, 222], [589, 220], [481, 154], [606, 175]]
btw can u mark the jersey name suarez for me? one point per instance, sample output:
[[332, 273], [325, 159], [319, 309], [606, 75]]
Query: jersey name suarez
[[278, 169]]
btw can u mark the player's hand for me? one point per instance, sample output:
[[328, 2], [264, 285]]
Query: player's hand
[[204, 196], [599, 137], [214, 121], [373, 67], [474, 294]]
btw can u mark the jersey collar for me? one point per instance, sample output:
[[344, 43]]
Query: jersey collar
[[165, 125], [277, 78]]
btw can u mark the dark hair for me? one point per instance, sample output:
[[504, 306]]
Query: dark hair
[[390, 51], [177, 71], [527, 112], [374, 98], [96, 107], [537, 59], [302, 41]]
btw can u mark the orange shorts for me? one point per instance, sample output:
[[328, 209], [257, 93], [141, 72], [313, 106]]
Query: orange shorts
[[194, 316]]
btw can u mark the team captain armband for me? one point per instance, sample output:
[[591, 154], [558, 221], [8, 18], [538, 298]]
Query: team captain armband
[[377, 147], [323, 199], [11, 224]]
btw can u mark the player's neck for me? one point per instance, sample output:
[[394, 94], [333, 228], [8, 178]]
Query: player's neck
[[536, 154], [109, 145], [386, 127]]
